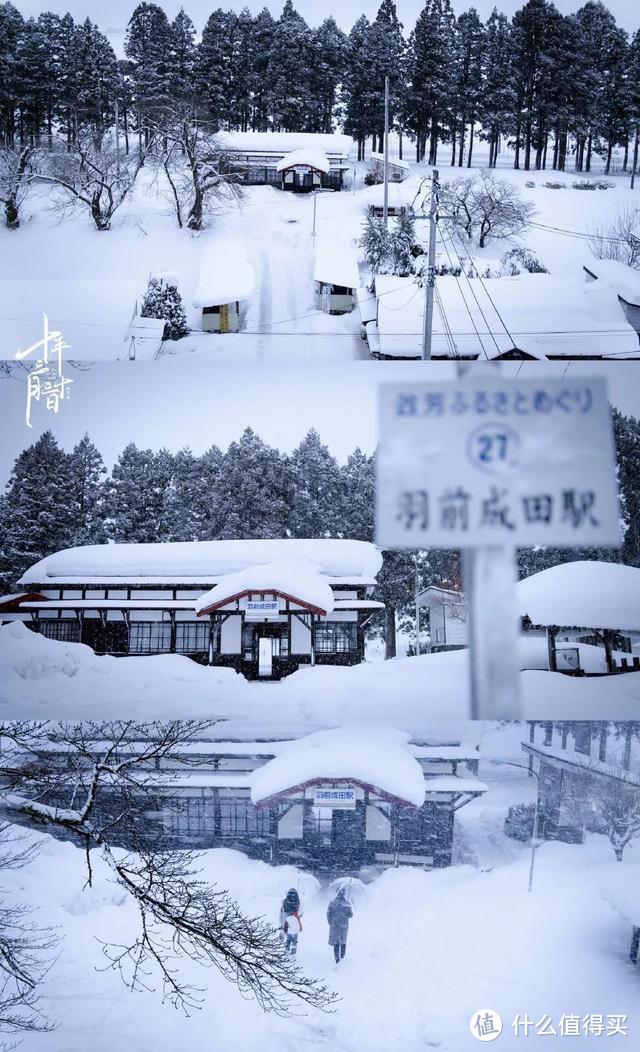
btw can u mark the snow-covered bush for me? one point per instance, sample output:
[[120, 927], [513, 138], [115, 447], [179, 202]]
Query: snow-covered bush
[[402, 243], [391, 251], [619, 239], [372, 179], [162, 300], [530, 184], [523, 259], [554, 186], [520, 821], [590, 184]]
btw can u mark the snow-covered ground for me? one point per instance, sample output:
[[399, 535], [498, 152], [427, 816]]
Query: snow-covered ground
[[426, 950], [279, 320], [53, 680]]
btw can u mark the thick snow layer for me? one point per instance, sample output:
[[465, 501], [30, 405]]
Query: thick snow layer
[[294, 578], [377, 756], [305, 158], [336, 263], [286, 142], [395, 162], [204, 561], [538, 314], [400, 195], [619, 885], [624, 280], [473, 938], [225, 274], [98, 320], [57, 680], [584, 594]]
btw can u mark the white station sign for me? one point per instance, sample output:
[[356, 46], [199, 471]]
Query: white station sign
[[335, 798], [261, 609], [496, 461]]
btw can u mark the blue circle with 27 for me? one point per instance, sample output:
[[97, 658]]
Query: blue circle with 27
[[494, 448]]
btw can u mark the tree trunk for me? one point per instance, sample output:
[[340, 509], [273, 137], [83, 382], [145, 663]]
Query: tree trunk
[[390, 632], [400, 144], [587, 165], [607, 166], [463, 135], [470, 144], [11, 217]]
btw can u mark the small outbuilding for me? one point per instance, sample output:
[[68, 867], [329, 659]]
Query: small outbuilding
[[447, 612], [336, 277], [302, 170], [226, 280]]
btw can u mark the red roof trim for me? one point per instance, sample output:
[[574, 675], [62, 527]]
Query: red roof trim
[[334, 783], [254, 591], [13, 603]]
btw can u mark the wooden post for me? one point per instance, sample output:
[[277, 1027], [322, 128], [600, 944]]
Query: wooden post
[[551, 646], [608, 651]]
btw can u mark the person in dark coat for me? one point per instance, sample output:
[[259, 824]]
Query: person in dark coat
[[290, 922], [339, 914]]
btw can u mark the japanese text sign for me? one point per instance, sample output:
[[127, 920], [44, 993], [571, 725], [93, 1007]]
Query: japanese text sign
[[496, 462]]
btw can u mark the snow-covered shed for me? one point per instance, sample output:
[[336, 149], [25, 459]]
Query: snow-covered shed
[[261, 607], [226, 281], [332, 801], [398, 169], [531, 316], [336, 276], [97, 320], [257, 157], [398, 197], [576, 763], [447, 612], [586, 602], [623, 280]]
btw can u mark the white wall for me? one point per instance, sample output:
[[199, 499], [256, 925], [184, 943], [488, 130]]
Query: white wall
[[290, 825], [230, 636], [300, 637]]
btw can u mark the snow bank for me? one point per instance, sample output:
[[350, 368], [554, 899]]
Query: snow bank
[[377, 756], [619, 885], [286, 142], [225, 274], [292, 579], [203, 561], [305, 158], [335, 264], [585, 594], [97, 319]]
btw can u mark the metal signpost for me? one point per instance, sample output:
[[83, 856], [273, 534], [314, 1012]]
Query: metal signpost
[[488, 464]]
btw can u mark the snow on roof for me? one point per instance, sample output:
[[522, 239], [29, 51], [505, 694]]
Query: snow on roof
[[204, 562], [311, 158], [394, 162], [545, 316], [578, 759], [293, 578], [286, 142], [96, 319], [444, 595], [377, 756], [225, 273], [624, 280], [336, 263], [582, 594], [401, 195], [618, 884]]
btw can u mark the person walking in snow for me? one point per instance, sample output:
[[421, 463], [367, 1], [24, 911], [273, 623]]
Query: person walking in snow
[[339, 913], [290, 922]]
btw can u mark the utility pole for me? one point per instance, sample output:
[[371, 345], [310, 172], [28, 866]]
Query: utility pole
[[427, 329], [117, 139], [385, 214], [313, 232], [635, 156]]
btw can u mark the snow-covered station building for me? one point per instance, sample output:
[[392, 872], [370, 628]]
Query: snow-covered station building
[[297, 161], [335, 800], [263, 607]]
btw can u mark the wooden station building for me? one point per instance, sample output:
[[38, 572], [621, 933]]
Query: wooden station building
[[263, 607]]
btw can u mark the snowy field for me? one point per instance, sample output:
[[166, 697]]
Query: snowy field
[[53, 680], [426, 950], [279, 321]]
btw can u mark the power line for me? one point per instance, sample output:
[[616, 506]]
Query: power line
[[464, 300]]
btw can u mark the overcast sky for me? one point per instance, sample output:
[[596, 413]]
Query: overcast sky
[[113, 18], [164, 404]]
